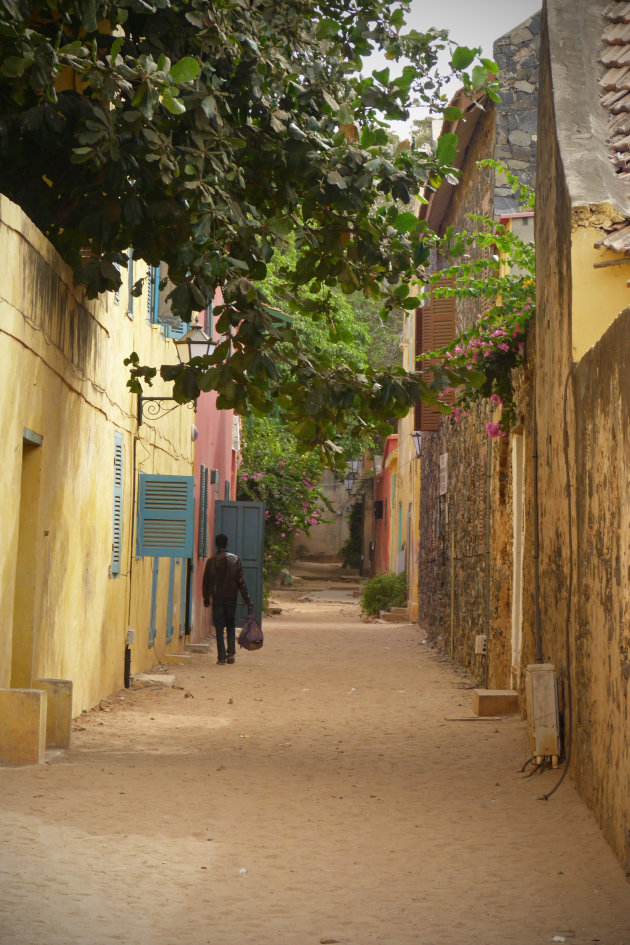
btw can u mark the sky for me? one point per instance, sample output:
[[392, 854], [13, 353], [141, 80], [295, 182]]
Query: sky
[[469, 23]]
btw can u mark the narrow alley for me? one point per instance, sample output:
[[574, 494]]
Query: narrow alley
[[333, 787]]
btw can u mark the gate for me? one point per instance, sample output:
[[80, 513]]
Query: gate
[[244, 525]]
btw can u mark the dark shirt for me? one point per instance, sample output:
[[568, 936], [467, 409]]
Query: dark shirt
[[223, 579]]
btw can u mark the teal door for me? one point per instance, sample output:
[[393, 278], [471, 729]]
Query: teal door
[[244, 525]]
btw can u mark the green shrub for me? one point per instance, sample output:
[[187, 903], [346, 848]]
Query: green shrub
[[383, 592]]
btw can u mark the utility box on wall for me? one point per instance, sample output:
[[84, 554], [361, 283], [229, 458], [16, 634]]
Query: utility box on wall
[[541, 690]]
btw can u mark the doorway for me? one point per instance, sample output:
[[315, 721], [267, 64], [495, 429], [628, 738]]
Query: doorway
[[24, 597]]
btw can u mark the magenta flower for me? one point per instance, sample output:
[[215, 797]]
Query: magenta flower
[[496, 399], [494, 430]]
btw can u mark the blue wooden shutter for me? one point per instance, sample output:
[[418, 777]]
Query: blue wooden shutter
[[227, 491], [169, 610], [154, 590], [166, 516], [203, 512], [114, 567], [182, 598]]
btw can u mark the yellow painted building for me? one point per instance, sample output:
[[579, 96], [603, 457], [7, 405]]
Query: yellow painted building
[[71, 586]]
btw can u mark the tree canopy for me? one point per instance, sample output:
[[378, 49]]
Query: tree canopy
[[200, 133]]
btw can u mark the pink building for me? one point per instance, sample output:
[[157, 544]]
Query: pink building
[[217, 449], [384, 483]]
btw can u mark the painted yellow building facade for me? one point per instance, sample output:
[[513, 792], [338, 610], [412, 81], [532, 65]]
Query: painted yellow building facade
[[67, 419]]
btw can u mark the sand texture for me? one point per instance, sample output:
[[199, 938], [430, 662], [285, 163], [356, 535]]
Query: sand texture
[[329, 788]]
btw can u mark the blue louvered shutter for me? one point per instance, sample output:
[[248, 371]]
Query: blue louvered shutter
[[114, 567], [165, 516], [203, 512]]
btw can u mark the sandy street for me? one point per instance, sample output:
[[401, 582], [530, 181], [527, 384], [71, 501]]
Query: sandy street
[[330, 788]]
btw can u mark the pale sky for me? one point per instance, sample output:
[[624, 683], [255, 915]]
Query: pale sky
[[469, 23]]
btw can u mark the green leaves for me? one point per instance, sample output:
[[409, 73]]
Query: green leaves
[[185, 70], [463, 57]]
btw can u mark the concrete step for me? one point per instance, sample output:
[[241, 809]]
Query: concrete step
[[392, 617], [495, 702]]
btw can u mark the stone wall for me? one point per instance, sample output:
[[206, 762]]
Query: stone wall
[[467, 534], [517, 54]]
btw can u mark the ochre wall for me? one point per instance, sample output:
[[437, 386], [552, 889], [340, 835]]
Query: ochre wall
[[64, 379], [583, 437]]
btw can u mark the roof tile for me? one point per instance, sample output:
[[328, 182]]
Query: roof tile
[[617, 11]]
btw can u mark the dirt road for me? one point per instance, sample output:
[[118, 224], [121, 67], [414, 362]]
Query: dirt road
[[324, 789]]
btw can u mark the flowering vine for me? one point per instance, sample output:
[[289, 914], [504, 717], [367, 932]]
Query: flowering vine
[[478, 365]]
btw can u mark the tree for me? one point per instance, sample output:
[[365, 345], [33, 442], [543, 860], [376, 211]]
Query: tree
[[199, 133], [277, 472]]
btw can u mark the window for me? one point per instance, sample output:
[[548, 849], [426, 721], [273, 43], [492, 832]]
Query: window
[[114, 567], [153, 294], [165, 516]]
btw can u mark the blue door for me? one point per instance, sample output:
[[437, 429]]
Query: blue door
[[244, 525]]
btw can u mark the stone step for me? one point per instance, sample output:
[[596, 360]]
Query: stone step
[[152, 679], [198, 647], [180, 658]]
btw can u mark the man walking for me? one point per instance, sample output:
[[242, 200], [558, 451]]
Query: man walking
[[222, 580]]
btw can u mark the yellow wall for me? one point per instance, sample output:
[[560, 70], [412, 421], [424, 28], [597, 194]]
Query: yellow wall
[[599, 295], [64, 616]]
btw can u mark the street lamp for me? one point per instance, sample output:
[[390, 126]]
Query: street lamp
[[416, 436], [194, 344]]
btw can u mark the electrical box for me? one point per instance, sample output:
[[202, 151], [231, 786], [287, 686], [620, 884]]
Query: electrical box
[[131, 637], [481, 644], [541, 691]]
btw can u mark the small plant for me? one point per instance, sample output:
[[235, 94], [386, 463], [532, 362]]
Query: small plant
[[383, 592]]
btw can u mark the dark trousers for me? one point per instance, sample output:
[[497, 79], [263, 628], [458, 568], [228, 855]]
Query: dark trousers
[[223, 615]]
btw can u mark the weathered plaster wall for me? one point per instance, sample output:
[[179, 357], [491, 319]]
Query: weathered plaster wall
[[64, 616], [600, 617]]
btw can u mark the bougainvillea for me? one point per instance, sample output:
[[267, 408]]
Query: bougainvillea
[[479, 364]]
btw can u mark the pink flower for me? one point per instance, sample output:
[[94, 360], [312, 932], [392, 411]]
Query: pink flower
[[282, 463], [494, 430], [282, 535], [504, 347], [496, 399]]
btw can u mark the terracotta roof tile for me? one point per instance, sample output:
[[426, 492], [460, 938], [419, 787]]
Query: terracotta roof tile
[[617, 34], [618, 240], [615, 56], [617, 11], [616, 78], [615, 86]]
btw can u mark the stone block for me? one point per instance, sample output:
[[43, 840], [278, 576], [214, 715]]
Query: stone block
[[22, 726], [198, 647], [495, 702], [58, 712]]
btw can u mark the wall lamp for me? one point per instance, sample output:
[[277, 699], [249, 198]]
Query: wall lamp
[[194, 344], [416, 436]]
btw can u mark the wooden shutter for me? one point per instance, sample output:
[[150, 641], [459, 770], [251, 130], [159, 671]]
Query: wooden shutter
[[165, 516], [169, 606], [117, 505], [436, 321], [202, 549]]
